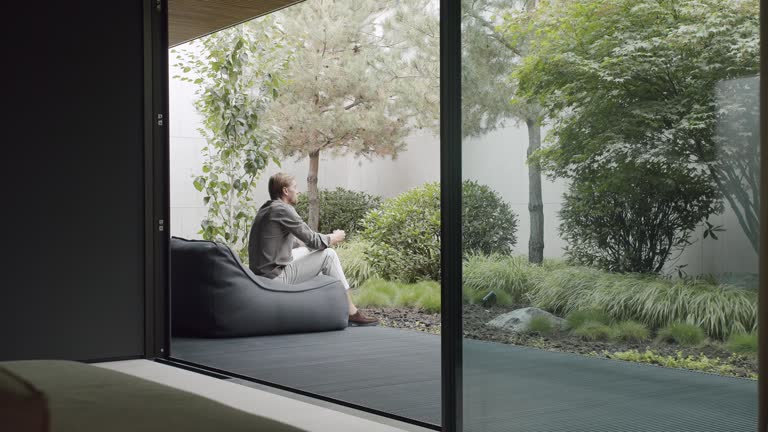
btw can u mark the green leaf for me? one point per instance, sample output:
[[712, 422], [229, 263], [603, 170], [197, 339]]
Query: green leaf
[[199, 183]]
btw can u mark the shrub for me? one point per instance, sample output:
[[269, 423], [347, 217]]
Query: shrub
[[592, 331], [719, 309], [630, 331], [340, 209], [488, 223], [743, 343], [577, 318], [683, 334], [541, 325], [633, 217], [404, 235], [354, 262], [404, 232], [376, 292]]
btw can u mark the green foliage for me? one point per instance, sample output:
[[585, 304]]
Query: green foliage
[[340, 97], [488, 223], [340, 209], [541, 325], [238, 72], [509, 277], [578, 318], [404, 235], [630, 331], [718, 309], [592, 331], [404, 232], [376, 292], [701, 363], [682, 334], [632, 218], [640, 85], [743, 343], [353, 261]]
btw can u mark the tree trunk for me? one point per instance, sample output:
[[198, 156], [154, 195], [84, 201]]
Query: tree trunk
[[535, 203], [312, 193]]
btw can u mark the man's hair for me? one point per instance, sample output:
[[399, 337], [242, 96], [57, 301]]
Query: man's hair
[[277, 182]]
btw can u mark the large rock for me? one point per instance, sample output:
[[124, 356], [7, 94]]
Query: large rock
[[517, 320]]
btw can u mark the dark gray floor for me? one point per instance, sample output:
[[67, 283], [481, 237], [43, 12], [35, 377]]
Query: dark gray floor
[[506, 388]]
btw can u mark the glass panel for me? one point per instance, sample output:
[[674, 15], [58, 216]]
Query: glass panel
[[344, 97], [611, 196]]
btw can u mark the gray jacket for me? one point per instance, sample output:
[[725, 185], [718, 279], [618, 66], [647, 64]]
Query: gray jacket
[[273, 235]]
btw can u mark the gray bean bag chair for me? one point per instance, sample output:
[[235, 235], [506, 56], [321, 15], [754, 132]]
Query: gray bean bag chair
[[214, 295]]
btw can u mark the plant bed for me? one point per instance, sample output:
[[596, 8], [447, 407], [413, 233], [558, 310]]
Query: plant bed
[[475, 317]]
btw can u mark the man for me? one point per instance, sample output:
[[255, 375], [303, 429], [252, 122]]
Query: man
[[275, 252]]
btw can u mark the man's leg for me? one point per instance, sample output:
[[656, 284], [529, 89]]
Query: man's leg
[[307, 265]]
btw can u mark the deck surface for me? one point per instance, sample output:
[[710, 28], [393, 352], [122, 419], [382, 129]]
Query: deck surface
[[506, 388]]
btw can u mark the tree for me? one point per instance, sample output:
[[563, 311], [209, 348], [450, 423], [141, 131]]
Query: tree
[[490, 52], [238, 73], [336, 100], [629, 80], [494, 43]]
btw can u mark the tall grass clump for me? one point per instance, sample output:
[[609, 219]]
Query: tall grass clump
[[630, 331], [720, 310], [577, 318], [541, 324], [683, 334], [592, 331], [377, 292], [357, 269], [509, 277], [743, 343]]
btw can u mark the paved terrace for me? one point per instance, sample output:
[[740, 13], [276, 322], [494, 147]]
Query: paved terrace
[[506, 388]]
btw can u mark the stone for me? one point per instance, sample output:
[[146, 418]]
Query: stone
[[517, 320]]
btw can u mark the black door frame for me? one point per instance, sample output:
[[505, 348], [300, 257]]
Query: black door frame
[[156, 181], [157, 205], [450, 216]]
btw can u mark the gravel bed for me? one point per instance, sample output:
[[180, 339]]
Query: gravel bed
[[475, 317]]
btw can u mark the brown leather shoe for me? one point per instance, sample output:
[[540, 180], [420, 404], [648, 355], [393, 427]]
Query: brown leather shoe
[[360, 320]]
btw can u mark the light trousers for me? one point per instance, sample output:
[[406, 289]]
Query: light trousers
[[307, 264]]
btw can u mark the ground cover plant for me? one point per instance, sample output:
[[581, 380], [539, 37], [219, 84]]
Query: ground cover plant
[[678, 360]]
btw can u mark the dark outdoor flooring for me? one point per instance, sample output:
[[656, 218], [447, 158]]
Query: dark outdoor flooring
[[506, 388]]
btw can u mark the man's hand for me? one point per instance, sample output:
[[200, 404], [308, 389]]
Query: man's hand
[[337, 237]]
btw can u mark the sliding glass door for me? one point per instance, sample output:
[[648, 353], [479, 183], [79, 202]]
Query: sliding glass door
[[610, 232]]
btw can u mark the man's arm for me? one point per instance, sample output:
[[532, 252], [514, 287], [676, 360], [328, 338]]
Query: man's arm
[[293, 223]]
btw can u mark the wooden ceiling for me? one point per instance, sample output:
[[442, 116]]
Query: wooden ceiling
[[190, 19]]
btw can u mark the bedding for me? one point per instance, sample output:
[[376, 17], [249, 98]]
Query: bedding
[[84, 398]]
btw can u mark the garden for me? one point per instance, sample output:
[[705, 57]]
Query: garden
[[392, 261], [651, 116]]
